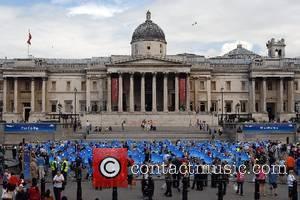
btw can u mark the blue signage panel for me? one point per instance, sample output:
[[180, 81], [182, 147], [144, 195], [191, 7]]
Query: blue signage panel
[[269, 128], [29, 127], [26, 164]]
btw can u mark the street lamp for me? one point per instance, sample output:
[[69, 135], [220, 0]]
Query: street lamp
[[222, 92], [238, 105], [75, 120]]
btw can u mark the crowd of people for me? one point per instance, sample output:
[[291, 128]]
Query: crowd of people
[[58, 161]]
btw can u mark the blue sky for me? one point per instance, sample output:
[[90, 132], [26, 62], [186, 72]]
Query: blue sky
[[87, 28]]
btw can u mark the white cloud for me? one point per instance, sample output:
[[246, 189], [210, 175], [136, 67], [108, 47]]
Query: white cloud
[[93, 10], [228, 46], [91, 28]]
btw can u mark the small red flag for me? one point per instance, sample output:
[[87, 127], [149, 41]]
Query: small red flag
[[29, 38]]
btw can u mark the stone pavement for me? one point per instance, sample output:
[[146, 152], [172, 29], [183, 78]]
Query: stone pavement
[[135, 194]]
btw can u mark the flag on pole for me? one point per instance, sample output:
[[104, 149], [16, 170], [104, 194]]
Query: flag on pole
[[29, 38]]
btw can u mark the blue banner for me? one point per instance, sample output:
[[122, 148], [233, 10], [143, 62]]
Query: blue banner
[[26, 164], [29, 127], [269, 128]]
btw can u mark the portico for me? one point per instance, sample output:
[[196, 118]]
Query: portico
[[148, 85]]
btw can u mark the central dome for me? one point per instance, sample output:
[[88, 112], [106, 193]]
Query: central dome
[[148, 31]]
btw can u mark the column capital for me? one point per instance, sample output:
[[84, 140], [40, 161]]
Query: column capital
[[32, 79], [154, 73], [142, 73], [44, 78]]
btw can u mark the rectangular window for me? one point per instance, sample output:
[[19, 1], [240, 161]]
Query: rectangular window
[[256, 106], [213, 85], [202, 87], [53, 106], [243, 85], [94, 85], [202, 106], [269, 83], [68, 106], [213, 106], [82, 106], [83, 85], [228, 85], [53, 85], [94, 106], [228, 106], [243, 106], [295, 85], [68, 88]]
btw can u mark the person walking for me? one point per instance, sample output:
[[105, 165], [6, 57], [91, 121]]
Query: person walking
[[41, 166], [58, 185], [290, 182], [168, 178], [34, 192], [65, 169], [54, 167], [240, 179]]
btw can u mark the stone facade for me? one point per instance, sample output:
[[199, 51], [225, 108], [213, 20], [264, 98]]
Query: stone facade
[[169, 89]]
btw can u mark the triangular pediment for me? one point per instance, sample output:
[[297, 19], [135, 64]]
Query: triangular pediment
[[147, 60]]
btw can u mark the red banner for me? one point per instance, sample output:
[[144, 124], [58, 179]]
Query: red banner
[[114, 90], [182, 91], [110, 167]]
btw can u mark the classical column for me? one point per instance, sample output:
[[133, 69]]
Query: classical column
[[280, 96], [32, 96], [165, 92], [176, 93], [188, 93], [88, 94], [44, 95], [291, 98], [108, 103], [120, 99], [154, 108], [263, 96], [143, 92], [4, 94], [208, 90], [100, 93], [131, 93], [196, 89], [252, 95], [16, 95]]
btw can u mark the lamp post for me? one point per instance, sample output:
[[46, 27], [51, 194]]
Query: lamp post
[[222, 92], [75, 118], [238, 105]]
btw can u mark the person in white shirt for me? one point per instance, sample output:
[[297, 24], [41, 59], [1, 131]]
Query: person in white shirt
[[290, 182], [58, 185]]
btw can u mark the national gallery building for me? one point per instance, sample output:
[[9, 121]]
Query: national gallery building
[[171, 90]]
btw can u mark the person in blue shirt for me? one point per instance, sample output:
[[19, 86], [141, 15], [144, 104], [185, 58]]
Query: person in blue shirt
[[41, 166]]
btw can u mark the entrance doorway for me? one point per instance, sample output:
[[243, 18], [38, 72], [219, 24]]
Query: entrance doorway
[[271, 111], [26, 114]]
